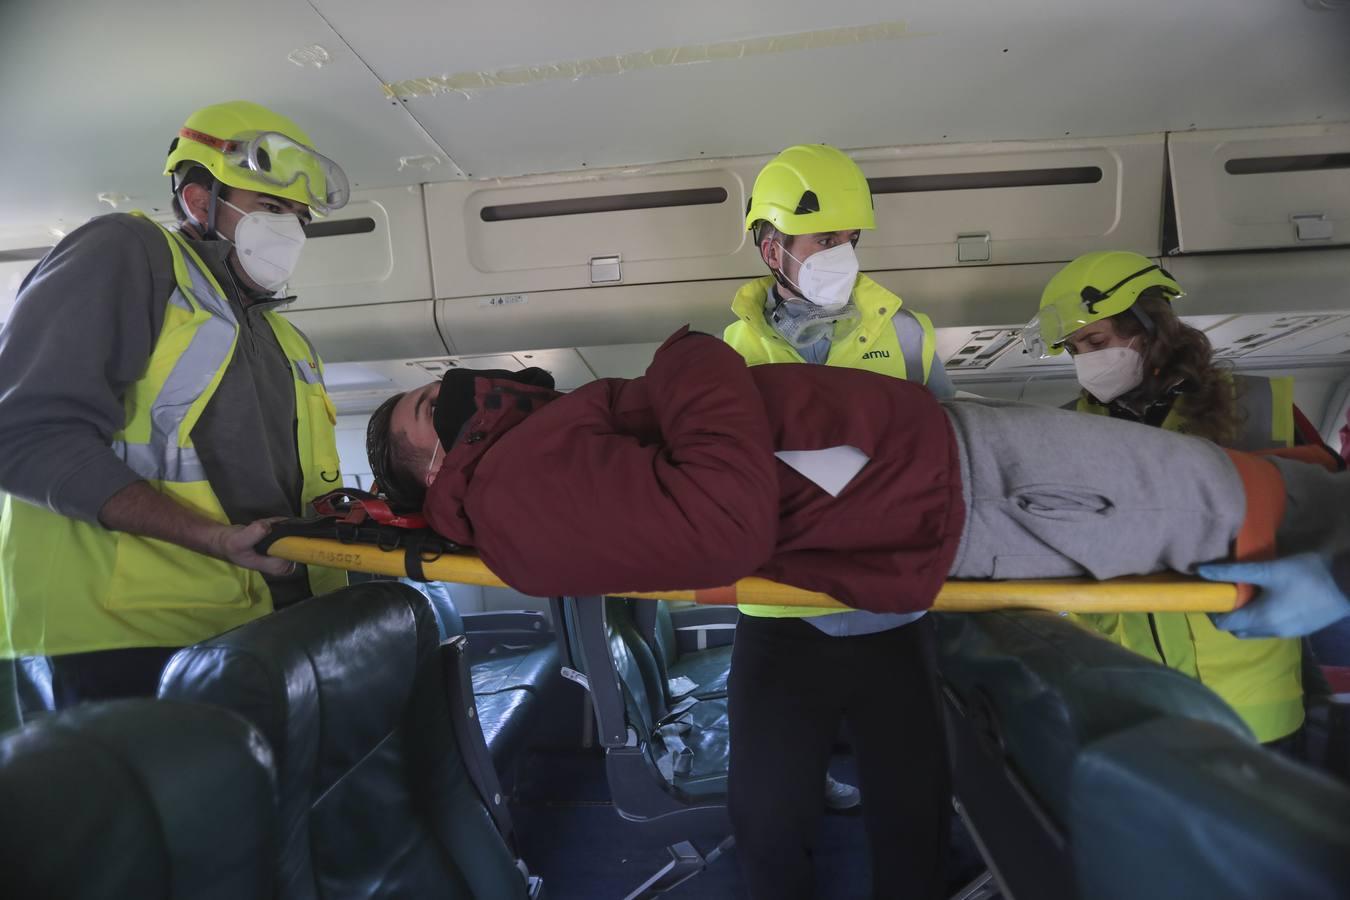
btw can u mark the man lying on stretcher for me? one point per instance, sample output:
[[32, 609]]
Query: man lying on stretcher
[[858, 486]]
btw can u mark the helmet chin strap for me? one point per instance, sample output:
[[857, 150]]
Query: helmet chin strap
[[782, 281], [211, 208], [1144, 319], [785, 282], [208, 231]]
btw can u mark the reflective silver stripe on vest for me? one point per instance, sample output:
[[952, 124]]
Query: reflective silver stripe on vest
[[307, 373], [1256, 400], [204, 293], [162, 459], [909, 333], [178, 464], [313, 355]]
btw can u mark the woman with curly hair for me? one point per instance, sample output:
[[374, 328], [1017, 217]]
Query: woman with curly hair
[[1136, 360]]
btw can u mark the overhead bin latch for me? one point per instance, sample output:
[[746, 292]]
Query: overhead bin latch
[[1313, 227], [973, 247], [605, 270]]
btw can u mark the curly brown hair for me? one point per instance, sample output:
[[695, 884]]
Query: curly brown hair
[[1177, 354]]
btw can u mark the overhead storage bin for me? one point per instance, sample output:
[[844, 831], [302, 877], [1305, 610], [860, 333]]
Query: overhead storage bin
[[639, 313], [936, 206], [373, 250], [591, 316], [1261, 187], [1263, 282], [361, 333], [982, 204], [563, 232]]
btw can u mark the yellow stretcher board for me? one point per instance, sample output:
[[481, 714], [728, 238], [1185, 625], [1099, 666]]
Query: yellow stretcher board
[[1147, 593]]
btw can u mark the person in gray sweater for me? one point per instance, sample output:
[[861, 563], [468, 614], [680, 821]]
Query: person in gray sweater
[[158, 412]]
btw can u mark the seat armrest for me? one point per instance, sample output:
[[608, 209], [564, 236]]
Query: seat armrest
[[700, 627], [602, 679], [507, 620], [473, 747], [515, 629]]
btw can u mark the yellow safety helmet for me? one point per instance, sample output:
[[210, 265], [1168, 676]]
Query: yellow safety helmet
[[1093, 287], [248, 146], [811, 188]]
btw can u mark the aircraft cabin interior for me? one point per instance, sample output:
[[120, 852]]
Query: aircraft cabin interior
[[564, 185]]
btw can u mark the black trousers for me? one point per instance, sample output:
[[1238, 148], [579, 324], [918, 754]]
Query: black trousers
[[790, 687], [107, 674]]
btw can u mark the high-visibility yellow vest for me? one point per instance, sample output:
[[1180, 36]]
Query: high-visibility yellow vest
[[67, 586], [876, 346], [1261, 679]]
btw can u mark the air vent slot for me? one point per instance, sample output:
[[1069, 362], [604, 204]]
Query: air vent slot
[[578, 206], [335, 227], [983, 348], [1266, 165], [973, 181]]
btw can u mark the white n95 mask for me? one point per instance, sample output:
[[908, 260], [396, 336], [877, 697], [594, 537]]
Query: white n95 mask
[[268, 246], [827, 278], [1108, 373]]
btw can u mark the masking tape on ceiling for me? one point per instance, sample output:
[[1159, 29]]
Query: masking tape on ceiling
[[465, 82]]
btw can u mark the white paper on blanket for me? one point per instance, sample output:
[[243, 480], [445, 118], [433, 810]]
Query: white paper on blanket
[[830, 469], [681, 685]]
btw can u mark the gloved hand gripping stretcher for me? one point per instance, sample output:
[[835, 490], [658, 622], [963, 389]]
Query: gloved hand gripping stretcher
[[360, 532]]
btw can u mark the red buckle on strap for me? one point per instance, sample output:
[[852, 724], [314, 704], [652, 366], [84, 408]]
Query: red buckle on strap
[[356, 506]]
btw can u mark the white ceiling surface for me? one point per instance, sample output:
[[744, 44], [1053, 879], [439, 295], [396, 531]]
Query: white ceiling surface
[[90, 93]]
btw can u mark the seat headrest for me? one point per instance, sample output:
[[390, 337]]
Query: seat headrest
[[338, 668], [137, 798], [1176, 808], [1053, 687], [349, 689]]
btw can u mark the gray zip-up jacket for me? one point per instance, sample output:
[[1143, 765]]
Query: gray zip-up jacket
[[81, 333]]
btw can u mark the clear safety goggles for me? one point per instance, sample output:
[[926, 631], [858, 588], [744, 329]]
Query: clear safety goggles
[[275, 159], [1050, 328]]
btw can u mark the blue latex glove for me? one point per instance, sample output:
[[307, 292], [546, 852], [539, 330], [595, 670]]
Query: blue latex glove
[[1298, 596]]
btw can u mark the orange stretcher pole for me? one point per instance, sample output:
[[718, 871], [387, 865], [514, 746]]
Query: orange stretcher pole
[[1148, 593]]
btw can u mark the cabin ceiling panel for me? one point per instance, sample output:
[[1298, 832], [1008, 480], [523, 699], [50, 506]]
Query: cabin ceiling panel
[[91, 93], [598, 83]]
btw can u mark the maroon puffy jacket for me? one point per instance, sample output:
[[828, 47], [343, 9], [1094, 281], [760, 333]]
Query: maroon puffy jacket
[[669, 481]]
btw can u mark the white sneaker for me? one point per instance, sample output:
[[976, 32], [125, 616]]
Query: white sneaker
[[840, 796]]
